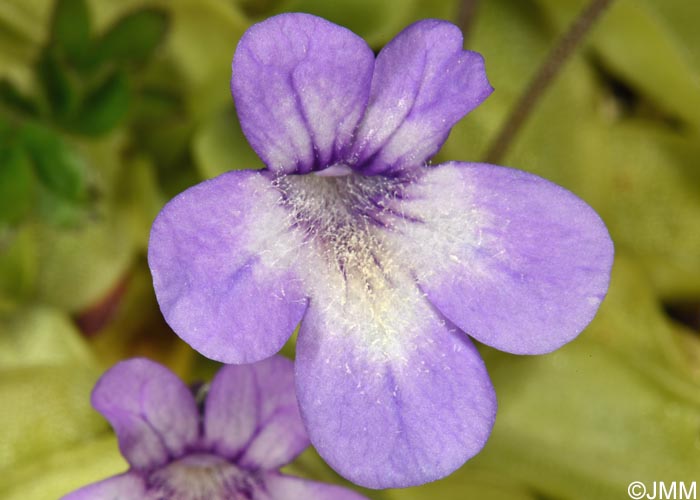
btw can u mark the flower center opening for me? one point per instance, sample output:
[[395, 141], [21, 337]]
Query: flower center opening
[[337, 170], [344, 216], [202, 476]]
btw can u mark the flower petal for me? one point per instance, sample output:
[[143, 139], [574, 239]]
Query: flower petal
[[391, 394], [517, 262], [219, 285], [151, 410], [129, 486], [300, 84], [281, 487], [252, 414], [423, 84]]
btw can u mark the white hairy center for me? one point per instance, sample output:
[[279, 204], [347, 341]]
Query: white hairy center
[[362, 244], [199, 477]]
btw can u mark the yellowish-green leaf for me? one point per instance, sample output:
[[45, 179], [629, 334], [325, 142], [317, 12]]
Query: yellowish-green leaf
[[45, 408], [56, 474], [644, 48], [41, 336], [220, 146]]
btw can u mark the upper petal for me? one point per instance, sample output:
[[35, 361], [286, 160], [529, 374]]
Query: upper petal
[[252, 414], [391, 394], [281, 487], [150, 409], [129, 486], [300, 84], [516, 261], [423, 84], [217, 255]]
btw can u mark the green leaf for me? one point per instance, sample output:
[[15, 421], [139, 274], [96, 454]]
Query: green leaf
[[217, 26], [16, 184], [48, 408], [153, 105], [310, 465], [652, 202], [580, 413], [59, 90], [58, 166], [682, 17], [470, 482], [71, 28], [55, 474], [18, 267], [258, 8], [104, 107], [643, 48], [513, 40], [80, 266], [140, 198], [133, 38], [14, 100], [41, 336], [387, 18], [637, 172], [220, 146]]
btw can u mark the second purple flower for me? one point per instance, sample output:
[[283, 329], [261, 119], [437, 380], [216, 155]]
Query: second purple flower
[[386, 261]]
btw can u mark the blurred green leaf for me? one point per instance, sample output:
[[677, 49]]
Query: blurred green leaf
[[48, 408], [682, 18], [219, 146], [59, 168], [653, 205], [78, 267], [636, 171], [387, 17], [16, 184], [632, 324], [41, 336], [258, 8], [104, 107], [310, 465], [14, 100], [139, 192], [644, 49], [157, 104], [18, 267], [512, 37], [53, 475], [71, 28], [581, 413], [470, 483], [217, 26], [46, 376], [22, 29], [60, 91], [132, 38]]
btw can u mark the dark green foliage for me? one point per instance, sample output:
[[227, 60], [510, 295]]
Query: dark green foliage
[[133, 38], [104, 106], [16, 184], [71, 29], [60, 92], [84, 79], [14, 100], [57, 166]]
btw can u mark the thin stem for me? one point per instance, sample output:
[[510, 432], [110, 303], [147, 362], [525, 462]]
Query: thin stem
[[466, 15], [545, 75]]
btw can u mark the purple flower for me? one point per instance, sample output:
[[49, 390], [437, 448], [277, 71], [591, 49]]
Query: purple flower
[[249, 428], [385, 260]]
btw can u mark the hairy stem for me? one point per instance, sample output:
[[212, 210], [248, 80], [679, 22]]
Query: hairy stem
[[545, 75]]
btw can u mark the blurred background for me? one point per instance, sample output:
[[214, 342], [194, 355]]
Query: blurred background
[[108, 109]]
